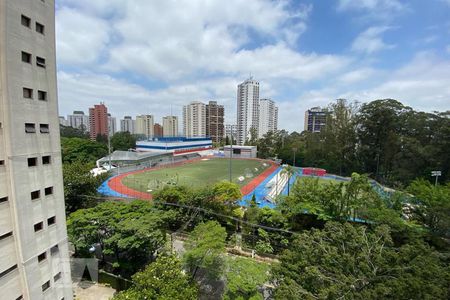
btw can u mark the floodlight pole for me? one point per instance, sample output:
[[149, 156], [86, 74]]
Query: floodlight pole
[[231, 150]]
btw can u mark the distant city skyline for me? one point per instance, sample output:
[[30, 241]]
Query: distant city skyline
[[303, 53]]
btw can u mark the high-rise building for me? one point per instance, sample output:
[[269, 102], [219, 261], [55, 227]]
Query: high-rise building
[[127, 124], [112, 125], [268, 117], [214, 121], [315, 119], [194, 119], [231, 133], [170, 126], [144, 125], [157, 130], [33, 239], [78, 120], [247, 109], [98, 121], [63, 121]]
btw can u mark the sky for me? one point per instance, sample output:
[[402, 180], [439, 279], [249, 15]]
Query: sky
[[153, 56]]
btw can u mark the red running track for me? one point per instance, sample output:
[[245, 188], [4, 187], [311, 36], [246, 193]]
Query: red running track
[[116, 184]]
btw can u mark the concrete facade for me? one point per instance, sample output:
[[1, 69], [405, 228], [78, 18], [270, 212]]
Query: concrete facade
[[127, 124], [268, 117], [98, 121], [144, 125], [78, 120], [33, 240], [215, 121], [170, 126], [315, 119], [247, 109], [194, 119]]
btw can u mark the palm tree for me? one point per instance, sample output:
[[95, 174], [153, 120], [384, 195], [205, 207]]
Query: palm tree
[[289, 171]]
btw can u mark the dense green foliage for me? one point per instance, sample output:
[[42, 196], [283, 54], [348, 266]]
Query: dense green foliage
[[123, 141], [81, 149], [163, 279], [389, 141], [79, 186], [205, 248], [351, 262], [243, 277], [128, 234], [70, 132]]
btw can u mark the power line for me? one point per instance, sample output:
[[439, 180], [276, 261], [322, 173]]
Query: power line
[[202, 210]]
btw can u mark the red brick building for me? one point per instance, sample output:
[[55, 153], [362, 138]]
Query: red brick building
[[98, 120], [157, 130]]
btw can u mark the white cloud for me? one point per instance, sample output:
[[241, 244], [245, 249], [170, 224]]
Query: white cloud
[[80, 37], [370, 40], [357, 75], [371, 5]]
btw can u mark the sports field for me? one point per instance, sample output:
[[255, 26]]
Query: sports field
[[196, 174]]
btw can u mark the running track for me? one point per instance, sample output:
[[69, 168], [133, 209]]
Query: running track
[[116, 184]]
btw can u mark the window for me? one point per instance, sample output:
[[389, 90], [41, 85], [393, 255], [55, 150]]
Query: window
[[46, 160], [42, 256], [2, 163], [46, 286], [39, 28], [7, 271], [44, 128], [6, 235], [35, 195], [40, 62], [42, 95], [48, 191], [57, 276], [19, 298], [32, 161], [51, 221], [54, 250], [3, 199], [26, 57], [27, 93], [25, 21], [38, 226], [30, 128]]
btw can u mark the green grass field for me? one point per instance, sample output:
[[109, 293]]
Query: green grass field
[[196, 174]]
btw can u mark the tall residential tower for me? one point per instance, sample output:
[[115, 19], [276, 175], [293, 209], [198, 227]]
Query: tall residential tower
[[214, 121], [247, 109], [268, 117], [33, 239], [98, 121], [194, 119]]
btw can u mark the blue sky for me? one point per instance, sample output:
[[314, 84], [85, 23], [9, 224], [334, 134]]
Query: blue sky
[[151, 56]]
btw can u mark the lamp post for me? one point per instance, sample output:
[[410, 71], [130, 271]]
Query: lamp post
[[294, 150], [231, 149]]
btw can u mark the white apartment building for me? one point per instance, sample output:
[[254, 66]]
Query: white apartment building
[[33, 239], [170, 126], [112, 125], [127, 124], [194, 119], [144, 125], [268, 117], [247, 109], [78, 120]]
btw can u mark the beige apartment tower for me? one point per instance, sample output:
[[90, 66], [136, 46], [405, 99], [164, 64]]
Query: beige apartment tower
[[170, 126], [33, 240], [194, 119], [144, 125]]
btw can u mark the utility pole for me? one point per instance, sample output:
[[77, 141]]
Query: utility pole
[[436, 174]]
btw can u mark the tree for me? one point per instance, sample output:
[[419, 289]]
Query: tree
[[350, 262], [289, 171], [163, 279], [243, 278], [205, 248], [128, 234], [432, 206], [80, 185], [69, 132], [80, 149], [227, 192], [123, 141]]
